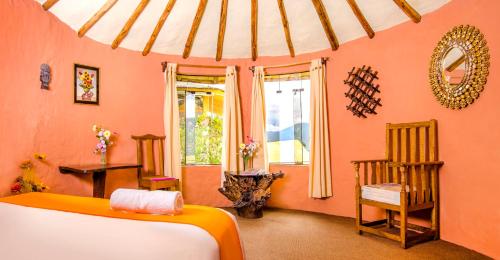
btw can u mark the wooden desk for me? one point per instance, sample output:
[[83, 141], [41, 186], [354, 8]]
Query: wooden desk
[[248, 192], [98, 172]]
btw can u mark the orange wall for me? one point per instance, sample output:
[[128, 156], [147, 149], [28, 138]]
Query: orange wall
[[33, 120]]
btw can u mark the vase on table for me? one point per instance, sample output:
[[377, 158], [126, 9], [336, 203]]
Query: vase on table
[[103, 158], [247, 164]]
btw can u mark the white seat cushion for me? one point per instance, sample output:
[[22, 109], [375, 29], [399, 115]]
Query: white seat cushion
[[386, 192]]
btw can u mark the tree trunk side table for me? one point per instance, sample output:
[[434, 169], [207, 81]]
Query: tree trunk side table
[[248, 191]]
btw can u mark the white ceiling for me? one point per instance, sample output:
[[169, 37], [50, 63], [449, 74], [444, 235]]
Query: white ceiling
[[305, 27]]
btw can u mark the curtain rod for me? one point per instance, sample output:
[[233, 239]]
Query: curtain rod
[[285, 73], [323, 60], [201, 75], [164, 66]]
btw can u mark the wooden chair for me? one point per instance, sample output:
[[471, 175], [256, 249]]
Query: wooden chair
[[149, 177], [405, 181]]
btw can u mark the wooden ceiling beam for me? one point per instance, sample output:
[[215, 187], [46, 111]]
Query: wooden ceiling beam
[[48, 4], [222, 30], [194, 28], [158, 27], [361, 18], [254, 28], [96, 17], [286, 27], [325, 21], [126, 28], [409, 10]]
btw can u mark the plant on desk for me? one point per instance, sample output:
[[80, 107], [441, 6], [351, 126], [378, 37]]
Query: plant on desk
[[104, 141], [28, 182], [247, 152]]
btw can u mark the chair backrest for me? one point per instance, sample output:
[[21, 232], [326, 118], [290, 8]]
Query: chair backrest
[[146, 154], [411, 142]]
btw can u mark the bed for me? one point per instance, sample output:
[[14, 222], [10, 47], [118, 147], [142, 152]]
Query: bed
[[51, 226]]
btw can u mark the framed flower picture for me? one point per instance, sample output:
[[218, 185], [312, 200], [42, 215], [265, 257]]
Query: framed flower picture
[[86, 84]]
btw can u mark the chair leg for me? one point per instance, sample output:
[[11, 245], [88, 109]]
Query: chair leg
[[359, 218], [404, 220], [435, 221], [389, 217], [359, 213]]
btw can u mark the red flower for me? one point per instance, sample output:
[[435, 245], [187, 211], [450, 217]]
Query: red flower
[[15, 187]]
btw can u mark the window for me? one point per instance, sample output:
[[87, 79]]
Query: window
[[201, 105], [287, 111]]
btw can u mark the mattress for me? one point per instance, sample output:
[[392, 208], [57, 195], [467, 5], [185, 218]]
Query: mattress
[[386, 192], [36, 233]]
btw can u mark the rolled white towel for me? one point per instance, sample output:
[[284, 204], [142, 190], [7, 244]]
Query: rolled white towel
[[151, 202]]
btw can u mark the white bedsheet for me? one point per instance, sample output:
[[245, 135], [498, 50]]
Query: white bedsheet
[[32, 233]]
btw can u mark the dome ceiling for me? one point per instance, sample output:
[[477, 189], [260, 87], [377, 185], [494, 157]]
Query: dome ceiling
[[252, 28]]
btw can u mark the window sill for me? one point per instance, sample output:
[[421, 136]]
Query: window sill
[[289, 164], [271, 164], [200, 165]]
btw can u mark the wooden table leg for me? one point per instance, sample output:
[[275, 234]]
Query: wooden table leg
[[99, 179]]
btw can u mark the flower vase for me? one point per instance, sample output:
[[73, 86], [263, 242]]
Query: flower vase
[[247, 164], [103, 158]]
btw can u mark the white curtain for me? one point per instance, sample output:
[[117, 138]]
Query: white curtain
[[171, 123], [232, 134], [258, 119], [320, 178]]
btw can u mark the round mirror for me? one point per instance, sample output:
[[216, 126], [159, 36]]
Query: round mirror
[[459, 67]]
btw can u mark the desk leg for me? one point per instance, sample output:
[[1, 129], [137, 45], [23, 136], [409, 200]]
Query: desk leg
[[99, 179]]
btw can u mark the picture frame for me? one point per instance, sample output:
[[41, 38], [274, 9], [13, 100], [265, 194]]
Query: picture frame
[[86, 84]]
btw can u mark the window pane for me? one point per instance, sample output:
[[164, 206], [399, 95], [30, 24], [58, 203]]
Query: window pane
[[190, 127], [287, 111], [181, 96], [306, 108], [202, 113]]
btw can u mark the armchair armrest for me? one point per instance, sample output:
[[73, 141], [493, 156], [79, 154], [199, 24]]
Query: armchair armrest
[[357, 163], [409, 164], [370, 161], [404, 168]]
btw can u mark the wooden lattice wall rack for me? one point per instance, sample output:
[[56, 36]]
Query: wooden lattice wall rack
[[362, 90]]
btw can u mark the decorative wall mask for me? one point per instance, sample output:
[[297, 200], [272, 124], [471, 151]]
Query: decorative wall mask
[[45, 76], [362, 91], [459, 67]]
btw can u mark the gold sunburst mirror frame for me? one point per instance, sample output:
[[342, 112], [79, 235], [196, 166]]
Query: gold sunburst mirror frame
[[459, 67]]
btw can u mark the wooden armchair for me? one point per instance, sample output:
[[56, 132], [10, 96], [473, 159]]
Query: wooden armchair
[[406, 181], [149, 177]]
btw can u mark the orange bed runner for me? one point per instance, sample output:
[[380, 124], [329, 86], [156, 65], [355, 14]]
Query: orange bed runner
[[213, 220]]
